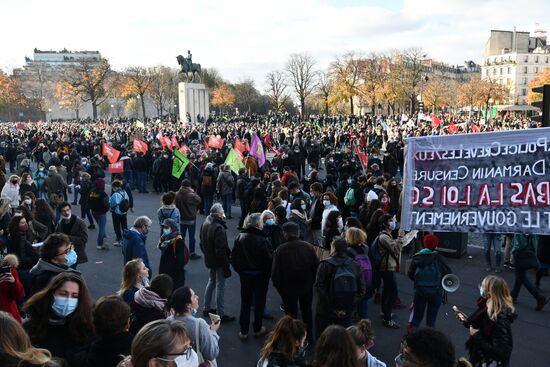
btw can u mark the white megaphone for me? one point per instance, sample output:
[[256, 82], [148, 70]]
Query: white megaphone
[[450, 283]]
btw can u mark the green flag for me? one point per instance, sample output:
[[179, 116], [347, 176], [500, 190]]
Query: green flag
[[179, 164], [234, 162]]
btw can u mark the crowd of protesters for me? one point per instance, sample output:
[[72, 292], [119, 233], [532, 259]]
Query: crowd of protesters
[[316, 221]]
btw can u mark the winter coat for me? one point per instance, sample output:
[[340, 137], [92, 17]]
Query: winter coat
[[10, 361], [116, 199], [187, 202], [208, 181], [252, 252], [25, 187], [10, 294], [316, 213], [44, 271], [133, 247], [146, 307], [213, 242], [54, 183], [300, 219], [22, 248], [275, 235], [424, 258], [493, 341], [105, 352], [78, 234], [294, 267], [98, 202], [225, 183], [85, 189], [11, 192], [174, 257], [390, 251]]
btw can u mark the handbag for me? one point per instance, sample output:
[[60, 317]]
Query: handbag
[[202, 362], [526, 260]]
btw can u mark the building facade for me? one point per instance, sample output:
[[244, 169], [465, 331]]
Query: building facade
[[514, 59]]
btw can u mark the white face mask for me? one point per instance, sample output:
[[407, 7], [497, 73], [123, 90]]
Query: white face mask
[[182, 361], [27, 201], [340, 223]]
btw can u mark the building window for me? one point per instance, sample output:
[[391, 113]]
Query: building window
[[547, 59], [487, 72], [500, 71], [536, 69], [525, 70], [536, 59], [524, 92], [508, 81], [524, 81], [509, 70], [495, 71], [526, 59]]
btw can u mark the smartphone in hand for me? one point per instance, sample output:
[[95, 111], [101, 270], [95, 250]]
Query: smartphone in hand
[[459, 314]]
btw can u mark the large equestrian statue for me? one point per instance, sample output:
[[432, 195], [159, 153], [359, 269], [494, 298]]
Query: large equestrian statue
[[188, 68]]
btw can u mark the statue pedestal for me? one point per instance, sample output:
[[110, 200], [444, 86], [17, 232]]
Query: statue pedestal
[[193, 100]]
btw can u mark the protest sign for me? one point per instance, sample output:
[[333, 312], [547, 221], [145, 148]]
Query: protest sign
[[497, 182]]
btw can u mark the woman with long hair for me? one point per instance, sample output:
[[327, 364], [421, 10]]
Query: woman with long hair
[[491, 324], [330, 202], [175, 254], [272, 229], [359, 251], [159, 343], [16, 349], [285, 345], [150, 302], [259, 201], [335, 348], [393, 191], [298, 215], [362, 334], [27, 185], [20, 246], [11, 289], [60, 316], [204, 337], [44, 214], [334, 226], [367, 210], [28, 200], [134, 276]]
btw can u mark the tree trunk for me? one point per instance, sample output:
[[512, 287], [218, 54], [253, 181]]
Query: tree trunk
[[142, 106], [351, 104], [302, 107], [326, 106], [77, 112], [94, 109]]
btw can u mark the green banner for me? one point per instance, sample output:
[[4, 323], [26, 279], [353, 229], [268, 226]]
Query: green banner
[[179, 164]]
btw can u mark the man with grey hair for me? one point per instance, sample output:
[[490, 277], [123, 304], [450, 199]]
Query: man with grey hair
[[251, 259], [213, 242], [133, 246]]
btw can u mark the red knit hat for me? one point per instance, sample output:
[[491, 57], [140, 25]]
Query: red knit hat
[[431, 241]]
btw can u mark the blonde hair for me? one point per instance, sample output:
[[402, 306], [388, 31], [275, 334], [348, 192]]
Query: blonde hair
[[15, 342], [498, 296], [355, 236], [130, 275]]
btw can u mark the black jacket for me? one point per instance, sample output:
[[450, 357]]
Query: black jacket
[[426, 257], [173, 259], [294, 267], [105, 352], [9, 361], [214, 243], [22, 248], [316, 213], [252, 252], [43, 272], [493, 341]]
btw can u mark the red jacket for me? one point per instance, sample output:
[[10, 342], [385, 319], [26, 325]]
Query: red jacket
[[10, 293]]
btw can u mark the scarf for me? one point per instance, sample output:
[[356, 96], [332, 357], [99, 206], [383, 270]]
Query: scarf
[[297, 213], [149, 299], [167, 240]]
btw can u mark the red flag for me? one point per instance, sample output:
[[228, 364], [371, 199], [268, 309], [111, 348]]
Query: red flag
[[185, 149], [239, 146], [267, 141], [111, 153], [452, 129], [175, 142], [140, 146], [20, 125], [167, 143], [239, 154], [161, 139], [362, 158], [215, 142], [117, 167], [475, 128], [246, 146], [435, 121]]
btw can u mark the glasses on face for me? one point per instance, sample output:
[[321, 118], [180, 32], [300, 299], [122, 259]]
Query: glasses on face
[[186, 354], [71, 246]]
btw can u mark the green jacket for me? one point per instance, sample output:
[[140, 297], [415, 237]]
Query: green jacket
[[522, 242]]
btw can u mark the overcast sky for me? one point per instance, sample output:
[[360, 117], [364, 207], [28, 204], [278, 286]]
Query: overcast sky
[[249, 38]]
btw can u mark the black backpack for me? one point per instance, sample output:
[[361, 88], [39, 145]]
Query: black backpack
[[343, 285], [427, 279], [124, 204]]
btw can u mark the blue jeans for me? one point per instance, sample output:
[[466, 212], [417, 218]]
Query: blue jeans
[[207, 200], [421, 301], [494, 240], [75, 196], [86, 212], [226, 204], [253, 287], [101, 220], [141, 181], [191, 229], [216, 280], [363, 308]]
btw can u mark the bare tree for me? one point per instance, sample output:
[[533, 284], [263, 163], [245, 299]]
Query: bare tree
[[276, 89], [163, 90], [300, 69], [247, 94], [139, 80], [325, 87], [89, 79], [412, 74]]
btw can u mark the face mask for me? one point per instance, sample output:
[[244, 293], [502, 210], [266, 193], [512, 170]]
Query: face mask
[[71, 257], [63, 306], [331, 160], [144, 281], [350, 181], [182, 361], [393, 225], [29, 180], [481, 292], [166, 231], [41, 169], [326, 202], [269, 222], [145, 233], [194, 312], [303, 206], [67, 217], [27, 201], [24, 227]]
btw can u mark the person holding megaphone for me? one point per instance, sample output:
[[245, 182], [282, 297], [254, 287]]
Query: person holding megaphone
[[426, 270]]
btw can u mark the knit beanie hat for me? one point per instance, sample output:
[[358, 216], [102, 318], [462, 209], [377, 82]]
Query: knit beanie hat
[[431, 241]]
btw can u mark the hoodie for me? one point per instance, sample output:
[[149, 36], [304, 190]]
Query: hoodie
[[44, 271], [425, 257]]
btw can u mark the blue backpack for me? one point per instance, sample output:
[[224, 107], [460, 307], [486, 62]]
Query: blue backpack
[[374, 253], [427, 279]]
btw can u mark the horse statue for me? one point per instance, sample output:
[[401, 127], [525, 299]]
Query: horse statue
[[192, 71]]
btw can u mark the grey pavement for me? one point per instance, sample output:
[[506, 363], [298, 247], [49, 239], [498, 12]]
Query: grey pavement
[[531, 330]]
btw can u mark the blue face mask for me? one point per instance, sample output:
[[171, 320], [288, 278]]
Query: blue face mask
[[393, 225], [194, 312], [166, 231], [269, 222], [145, 233], [71, 257], [304, 206], [481, 292], [63, 306]]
